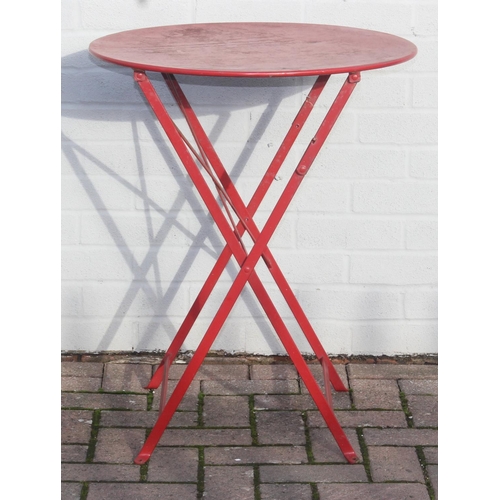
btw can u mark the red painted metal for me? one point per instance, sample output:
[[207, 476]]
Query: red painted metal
[[248, 50], [246, 262], [324, 361], [246, 217], [253, 49], [255, 201]]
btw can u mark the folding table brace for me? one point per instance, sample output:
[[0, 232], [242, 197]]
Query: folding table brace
[[246, 261], [253, 205]]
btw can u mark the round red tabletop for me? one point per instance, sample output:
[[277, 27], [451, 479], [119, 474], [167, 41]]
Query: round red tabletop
[[253, 49]]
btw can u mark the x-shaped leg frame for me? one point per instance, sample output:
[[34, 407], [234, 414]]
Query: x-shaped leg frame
[[232, 233]]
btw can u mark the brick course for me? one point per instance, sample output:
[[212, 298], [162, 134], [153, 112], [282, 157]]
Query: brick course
[[226, 411], [126, 377], [285, 491], [270, 425], [73, 453], [401, 437], [404, 491], [256, 454], [220, 480], [99, 472], [370, 418], [71, 491], [312, 473], [424, 410], [76, 426], [388, 463], [239, 449], [158, 491], [179, 465]]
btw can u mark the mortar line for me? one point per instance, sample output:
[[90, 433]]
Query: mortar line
[[256, 482], [406, 408], [364, 453], [96, 417], [423, 463], [253, 420], [201, 473], [314, 491], [85, 491], [200, 408], [308, 445]]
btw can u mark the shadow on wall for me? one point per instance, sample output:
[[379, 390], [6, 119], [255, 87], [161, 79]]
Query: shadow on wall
[[87, 90]]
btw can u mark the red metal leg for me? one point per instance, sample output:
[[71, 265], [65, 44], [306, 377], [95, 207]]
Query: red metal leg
[[247, 268], [326, 378], [243, 213], [255, 201]]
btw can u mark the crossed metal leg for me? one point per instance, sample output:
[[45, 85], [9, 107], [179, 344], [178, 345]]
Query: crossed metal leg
[[232, 233]]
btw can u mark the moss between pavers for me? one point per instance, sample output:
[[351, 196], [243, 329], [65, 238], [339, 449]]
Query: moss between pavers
[[406, 409], [200, 488], [423, 464], [149, 399], [253, 420], [143, 470], [309, 452], [256, 482], [364, 453], [143, 473], [201, 401], [96, 417], [314, 491], [253, 426], [351, 397], [85, 491]]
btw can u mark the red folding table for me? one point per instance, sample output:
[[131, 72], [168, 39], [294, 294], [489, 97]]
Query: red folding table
[[247, 50]]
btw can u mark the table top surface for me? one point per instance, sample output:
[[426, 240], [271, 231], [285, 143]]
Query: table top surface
[[253, 49]]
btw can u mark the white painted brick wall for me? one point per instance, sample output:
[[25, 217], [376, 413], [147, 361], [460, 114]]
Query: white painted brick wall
[[398, 197], [358, 244]]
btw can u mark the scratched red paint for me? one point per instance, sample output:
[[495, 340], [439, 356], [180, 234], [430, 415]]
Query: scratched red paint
[[253, 49]]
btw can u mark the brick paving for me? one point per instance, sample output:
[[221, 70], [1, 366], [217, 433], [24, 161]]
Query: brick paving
[[248, 429]]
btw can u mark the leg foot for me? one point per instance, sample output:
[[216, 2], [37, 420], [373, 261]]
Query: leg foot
[[351, 457], [142, 458]]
